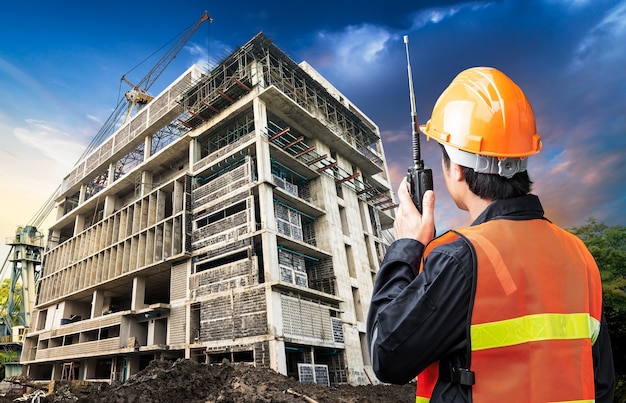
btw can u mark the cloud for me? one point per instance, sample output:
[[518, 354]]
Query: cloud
[[433, 16], [208, 56], [574, 3], [395, 136], [357, 49], [52, 143], [199, 53], [605, 41], [439, 14], [95, 119], [579, 182], [580, 118], [36, 155], [17, 83], [21, 77]]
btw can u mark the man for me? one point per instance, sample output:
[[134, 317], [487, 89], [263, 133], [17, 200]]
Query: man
[[508, 309]]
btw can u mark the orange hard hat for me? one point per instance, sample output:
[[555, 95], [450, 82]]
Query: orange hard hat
[[484, 112]]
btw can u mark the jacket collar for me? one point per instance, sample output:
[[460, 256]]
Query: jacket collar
[[523, 207]]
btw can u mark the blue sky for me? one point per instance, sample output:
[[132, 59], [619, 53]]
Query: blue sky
[[61, 64]]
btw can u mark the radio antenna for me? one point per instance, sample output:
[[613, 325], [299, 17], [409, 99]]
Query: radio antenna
[[419, 178], [417, 158]]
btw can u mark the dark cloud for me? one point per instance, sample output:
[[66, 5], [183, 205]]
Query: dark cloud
[[564, 54]]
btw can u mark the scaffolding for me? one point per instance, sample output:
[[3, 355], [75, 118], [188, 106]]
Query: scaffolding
[[235, 77]]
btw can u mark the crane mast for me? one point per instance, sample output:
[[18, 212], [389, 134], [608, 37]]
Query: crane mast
[[25, 259]]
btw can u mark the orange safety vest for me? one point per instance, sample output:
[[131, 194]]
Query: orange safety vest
[[535, 315]]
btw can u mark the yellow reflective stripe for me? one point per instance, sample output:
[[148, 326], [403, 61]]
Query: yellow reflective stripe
[[549, 326], [574, 401], [594, 326], [420, 399]]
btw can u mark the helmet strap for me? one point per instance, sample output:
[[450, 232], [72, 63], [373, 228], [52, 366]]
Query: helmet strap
[[483, 164]]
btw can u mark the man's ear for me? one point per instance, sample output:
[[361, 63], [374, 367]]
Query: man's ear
[[458, 173]]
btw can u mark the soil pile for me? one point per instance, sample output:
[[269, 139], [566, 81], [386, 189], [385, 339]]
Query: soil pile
[[191, 382]]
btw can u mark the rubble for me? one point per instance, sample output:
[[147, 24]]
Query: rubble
[[191, 382]]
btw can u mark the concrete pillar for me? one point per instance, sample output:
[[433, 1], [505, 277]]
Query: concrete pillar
[[111, 174], [146, 182], [61, 209], [57, 371], [266, 194], [97, 303], [89, 372], [138, 294], [257, 77], [147, 149], [132, 366], [81, 196], [79, 223], [157, 332], [109, 205], [178, 197], [262, 147], [151, 330], [278, 358], [194, 151]]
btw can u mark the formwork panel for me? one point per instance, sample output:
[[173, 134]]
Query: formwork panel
[[303, 318], [240, 314], [236, 275], [224, 184], [178, 282], [177, 325]]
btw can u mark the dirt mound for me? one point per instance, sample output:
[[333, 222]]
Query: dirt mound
[[191, 382]]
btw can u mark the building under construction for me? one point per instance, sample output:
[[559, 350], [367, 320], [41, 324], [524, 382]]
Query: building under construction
[[239, 215]]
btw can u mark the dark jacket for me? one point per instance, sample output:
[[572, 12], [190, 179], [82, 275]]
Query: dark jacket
[[416, 320]]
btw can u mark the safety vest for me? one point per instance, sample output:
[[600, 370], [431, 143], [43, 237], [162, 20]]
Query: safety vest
[[535, 315]]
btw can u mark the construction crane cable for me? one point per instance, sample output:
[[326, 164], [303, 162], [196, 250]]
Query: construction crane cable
[[155, 52], [113, 120], [109, 125], [44, 210], [170, 55], [106, 129], [4, 265]]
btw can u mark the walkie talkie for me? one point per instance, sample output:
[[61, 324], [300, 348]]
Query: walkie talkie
[[419, 178]]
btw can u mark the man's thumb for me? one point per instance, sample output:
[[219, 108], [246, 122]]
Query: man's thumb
[[428, 207]]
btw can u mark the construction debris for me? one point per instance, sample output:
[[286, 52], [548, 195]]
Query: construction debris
[[191, 382]]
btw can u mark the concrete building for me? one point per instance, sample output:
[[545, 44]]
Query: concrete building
[[240, 214]]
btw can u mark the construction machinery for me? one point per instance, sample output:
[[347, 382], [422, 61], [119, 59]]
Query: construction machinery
[[137, 96], [25, 259], [24, 262]]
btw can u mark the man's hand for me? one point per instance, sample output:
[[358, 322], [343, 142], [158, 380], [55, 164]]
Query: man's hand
[[409, 222]]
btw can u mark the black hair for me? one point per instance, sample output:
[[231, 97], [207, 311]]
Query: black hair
[[493, 186]]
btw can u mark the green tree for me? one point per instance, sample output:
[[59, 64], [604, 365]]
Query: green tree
[[4, 295], [5, 289], [5, 356], [607, 244]]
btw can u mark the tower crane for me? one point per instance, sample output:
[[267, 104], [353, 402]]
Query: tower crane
[[27, 246], [137, 96]]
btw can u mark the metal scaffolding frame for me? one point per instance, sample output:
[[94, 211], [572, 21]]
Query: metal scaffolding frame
[[232, 79]]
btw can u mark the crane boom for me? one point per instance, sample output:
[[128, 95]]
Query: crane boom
[[138, 96], [170, 55]]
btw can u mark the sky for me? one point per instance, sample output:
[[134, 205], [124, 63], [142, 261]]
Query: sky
[[61, 65]]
